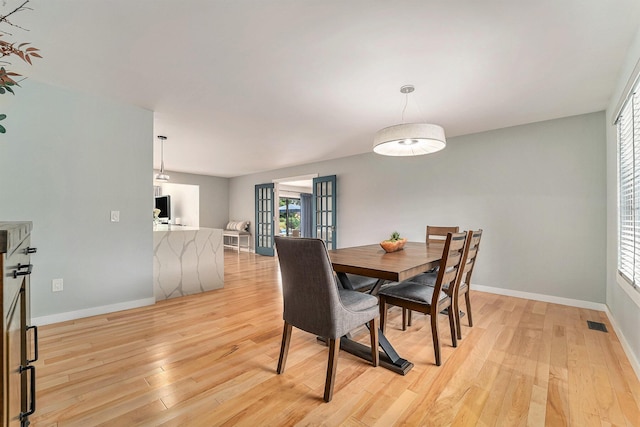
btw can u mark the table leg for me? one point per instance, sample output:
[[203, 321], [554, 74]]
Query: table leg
[[389, 357]]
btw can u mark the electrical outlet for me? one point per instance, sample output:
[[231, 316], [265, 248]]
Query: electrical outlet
[[115, 216], [57, 285]]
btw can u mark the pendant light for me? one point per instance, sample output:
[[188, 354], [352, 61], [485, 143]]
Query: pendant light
[[409, 139], [162, 176]]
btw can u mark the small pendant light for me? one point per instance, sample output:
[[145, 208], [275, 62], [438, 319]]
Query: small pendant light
[[162, 176]]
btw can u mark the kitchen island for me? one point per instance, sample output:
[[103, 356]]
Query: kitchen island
[[186, 260]]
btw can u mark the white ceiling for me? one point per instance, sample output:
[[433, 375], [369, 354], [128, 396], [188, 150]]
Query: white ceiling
[[249, 85]]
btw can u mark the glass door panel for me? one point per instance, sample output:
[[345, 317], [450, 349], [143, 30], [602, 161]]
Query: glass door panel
[[265, 207], [324, 206]]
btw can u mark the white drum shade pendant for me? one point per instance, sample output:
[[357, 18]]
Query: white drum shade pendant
[[409, 139], [162, 176]]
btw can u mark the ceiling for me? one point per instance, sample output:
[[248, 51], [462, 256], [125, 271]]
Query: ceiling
[[250, 85]]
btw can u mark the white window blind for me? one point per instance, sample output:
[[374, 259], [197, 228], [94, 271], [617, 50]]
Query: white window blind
[[628, 125]]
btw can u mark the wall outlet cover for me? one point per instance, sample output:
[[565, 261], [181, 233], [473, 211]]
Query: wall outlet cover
[[57, 285], [115, 216]]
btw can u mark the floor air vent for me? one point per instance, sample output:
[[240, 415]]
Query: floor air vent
[[597, 326]]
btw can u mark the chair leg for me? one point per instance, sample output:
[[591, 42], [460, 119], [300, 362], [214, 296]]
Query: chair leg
[[409, 317], [284, 348], [334, 348], [383, 314], [404, 319], [452, 324], [436, 338], [456, 310], [373, 331], [468, 301]]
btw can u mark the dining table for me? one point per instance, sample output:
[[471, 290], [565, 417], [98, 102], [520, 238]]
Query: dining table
[[372, 261]]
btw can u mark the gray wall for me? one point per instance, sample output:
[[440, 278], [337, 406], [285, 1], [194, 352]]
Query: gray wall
[[537, 190], [214, 197], [625, 311], [66, 161]]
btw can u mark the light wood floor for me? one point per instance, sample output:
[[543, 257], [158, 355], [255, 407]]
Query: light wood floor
[[210, 360]]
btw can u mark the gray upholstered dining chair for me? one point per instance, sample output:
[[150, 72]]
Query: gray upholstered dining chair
[[315, 303], [426, 299]]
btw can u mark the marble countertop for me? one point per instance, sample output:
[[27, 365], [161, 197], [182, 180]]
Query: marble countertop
[[186, 260]]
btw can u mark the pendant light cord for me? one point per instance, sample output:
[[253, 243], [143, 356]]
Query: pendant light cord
[[162, 156], [406, 102]]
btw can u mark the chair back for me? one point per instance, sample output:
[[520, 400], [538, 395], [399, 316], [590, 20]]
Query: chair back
[[450, 264], [469, 258], [309, 288], [437, 234]]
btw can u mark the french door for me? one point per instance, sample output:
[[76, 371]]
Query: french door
[[324, 208], [265, 219]]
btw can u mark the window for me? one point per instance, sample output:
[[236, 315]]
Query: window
[[628, 129]]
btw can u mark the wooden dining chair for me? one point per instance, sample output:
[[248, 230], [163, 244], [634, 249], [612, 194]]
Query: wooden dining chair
[[470, 256], [426, 299], [468, 261], [313, 302], [438, 234], [435, 234]]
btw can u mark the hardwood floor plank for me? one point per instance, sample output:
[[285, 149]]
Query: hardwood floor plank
[[399, 406], [582, 393], [557, 412], [629, 408], [210, 360], [537, 406], [607, 401]]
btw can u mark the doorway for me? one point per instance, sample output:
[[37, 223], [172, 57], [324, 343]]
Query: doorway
[[316, 198], [295, 214], [289, 216]]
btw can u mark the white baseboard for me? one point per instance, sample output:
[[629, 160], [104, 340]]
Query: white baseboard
[[541, 297], [625, 345], [93, 311]]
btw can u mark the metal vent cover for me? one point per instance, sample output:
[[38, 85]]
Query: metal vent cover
[[597, 326]]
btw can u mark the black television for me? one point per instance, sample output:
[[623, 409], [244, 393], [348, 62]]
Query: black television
[[164, 204]]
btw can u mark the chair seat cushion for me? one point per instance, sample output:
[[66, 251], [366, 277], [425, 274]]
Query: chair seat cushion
[[413, 291], [428, 278], [360, 283], [357, 301], [230, 233]]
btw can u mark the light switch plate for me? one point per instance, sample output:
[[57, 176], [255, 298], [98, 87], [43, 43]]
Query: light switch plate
[[115, 216], [57, 285]]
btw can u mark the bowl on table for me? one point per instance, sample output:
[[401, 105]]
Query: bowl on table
[[393, 246]]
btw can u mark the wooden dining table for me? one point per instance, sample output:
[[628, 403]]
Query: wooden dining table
[[373, 261]]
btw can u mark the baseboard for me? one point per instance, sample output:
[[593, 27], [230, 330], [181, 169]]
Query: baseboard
[[541, 297], [623, 341], [93, 311]]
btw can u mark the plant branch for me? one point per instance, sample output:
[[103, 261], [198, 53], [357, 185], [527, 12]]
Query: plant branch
[[8, 79], [3, 18]]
